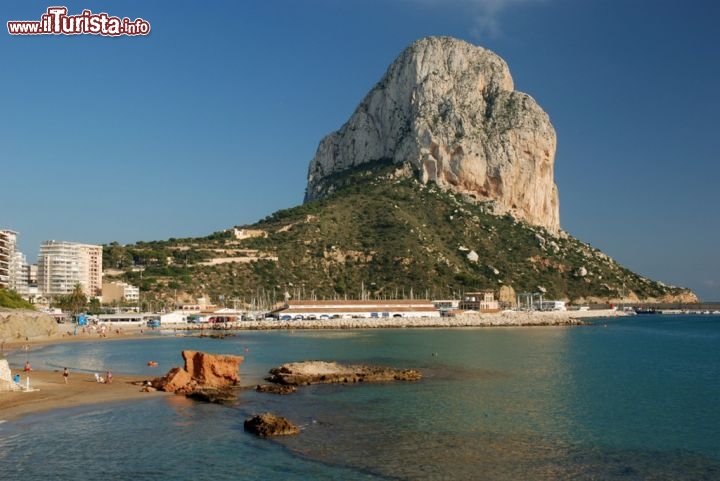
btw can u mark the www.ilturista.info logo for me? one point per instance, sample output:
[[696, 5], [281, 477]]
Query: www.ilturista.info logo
[[57, 22]]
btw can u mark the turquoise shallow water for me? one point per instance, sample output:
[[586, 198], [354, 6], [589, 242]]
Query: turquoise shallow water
[[637, 398]]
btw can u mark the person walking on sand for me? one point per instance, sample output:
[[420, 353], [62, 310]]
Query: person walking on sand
[[66, 373]]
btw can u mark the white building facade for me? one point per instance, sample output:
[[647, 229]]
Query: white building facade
[[63, 265], [13, 267], [19, 274], [7, 250]]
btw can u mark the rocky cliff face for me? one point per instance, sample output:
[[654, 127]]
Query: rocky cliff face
[[21, 324], [449, 109]]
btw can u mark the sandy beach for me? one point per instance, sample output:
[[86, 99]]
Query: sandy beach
[[51, 392]]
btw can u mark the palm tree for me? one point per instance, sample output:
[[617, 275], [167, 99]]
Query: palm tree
[[75, 302], [78, 299]]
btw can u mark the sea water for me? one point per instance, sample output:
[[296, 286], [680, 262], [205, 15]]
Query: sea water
[[633, 398]]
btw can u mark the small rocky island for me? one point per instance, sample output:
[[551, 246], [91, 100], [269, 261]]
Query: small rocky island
[[287, 376], [268, 424], [323, 372]]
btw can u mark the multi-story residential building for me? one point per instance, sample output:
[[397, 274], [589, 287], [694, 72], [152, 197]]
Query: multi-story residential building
[[18, 274], [8, 240], [63, 265], [31, 271], [12, 264]]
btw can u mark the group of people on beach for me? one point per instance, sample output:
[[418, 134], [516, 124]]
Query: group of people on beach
[[105, 380]]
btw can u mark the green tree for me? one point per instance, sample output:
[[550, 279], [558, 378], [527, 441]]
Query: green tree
[[94, 306]]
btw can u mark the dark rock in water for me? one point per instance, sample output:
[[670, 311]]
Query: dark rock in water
[[217, 335], [322, 372], [276, 388], [268, 424], [211, 395]]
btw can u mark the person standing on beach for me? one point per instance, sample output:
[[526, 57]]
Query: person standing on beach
[[66, 373]]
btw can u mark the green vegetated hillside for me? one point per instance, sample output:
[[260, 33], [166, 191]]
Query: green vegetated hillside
[[381, 234], [12, 300]]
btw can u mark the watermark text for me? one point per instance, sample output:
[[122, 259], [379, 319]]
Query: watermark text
[[56, 21]]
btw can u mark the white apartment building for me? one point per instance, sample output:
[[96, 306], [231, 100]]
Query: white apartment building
[[13, 267], [19, 274], [63, 265], [8, 239]]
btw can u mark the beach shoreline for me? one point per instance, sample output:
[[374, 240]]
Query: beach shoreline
[[67, 332], [82, 389], [50, 392]]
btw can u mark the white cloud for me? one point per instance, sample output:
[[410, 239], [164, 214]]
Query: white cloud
[[485, 13]]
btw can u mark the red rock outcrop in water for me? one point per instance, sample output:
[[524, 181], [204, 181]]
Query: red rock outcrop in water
[[202, 370]]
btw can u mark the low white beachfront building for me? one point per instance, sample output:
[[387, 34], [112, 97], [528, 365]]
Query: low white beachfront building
[[314, 309], [551, 306]]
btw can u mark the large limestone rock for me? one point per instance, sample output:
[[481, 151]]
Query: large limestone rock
[[449, 109], [201, 371]]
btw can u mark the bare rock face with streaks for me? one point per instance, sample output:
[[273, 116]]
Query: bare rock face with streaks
[[449, 109]]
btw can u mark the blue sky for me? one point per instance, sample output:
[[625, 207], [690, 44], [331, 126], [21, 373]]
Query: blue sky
[[211, 120]]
